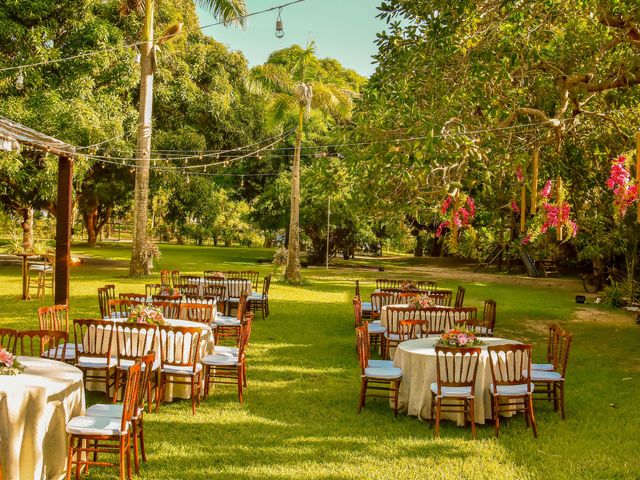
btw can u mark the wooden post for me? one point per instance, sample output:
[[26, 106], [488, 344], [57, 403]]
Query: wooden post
[[534, 182], [63, 230], [523, 207], [638, 170], [560, 203]]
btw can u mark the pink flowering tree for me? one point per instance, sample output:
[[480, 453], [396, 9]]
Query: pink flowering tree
[[550, 216], [625, 190], [456, 213]]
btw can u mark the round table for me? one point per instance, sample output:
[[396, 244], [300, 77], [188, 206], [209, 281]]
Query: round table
[[207, 342], [417, 360], [35, 407]]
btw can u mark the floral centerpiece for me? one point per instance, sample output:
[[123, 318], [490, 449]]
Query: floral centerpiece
[[146, 314], [422, 301], [459, 337], [9, 365], [216, 275], [169, 291], [409, 287]]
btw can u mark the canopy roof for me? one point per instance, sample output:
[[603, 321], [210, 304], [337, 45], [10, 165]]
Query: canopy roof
[[17, 132]]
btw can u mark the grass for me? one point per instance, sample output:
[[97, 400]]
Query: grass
[[299, 419]]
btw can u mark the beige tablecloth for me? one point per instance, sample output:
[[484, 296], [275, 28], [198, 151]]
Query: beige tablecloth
[[172, 391], [417, 360], [35, 407]]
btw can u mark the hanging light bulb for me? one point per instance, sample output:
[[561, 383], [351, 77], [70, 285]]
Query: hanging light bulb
[[20, 80], [279, 24]]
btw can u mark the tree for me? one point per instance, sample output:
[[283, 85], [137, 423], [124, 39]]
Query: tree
[[294, 78], [227, 10]]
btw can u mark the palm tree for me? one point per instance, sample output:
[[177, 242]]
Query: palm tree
[[296, 90], [231, 11]]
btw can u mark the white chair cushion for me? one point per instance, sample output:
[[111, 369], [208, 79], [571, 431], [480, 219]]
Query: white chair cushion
[[545, 376], [115, 315], [87, 425], [542, 366], [392, 336], [380, 363], [125, 364], [92, 362], [69, 353], [366, 306], [40, 268], [220, 360], [254, 297], [388, 373], [226, 351], [452, 391], [112, 410], [179, 370], [375, 322], [226, 321], [376, 328], [511, 390]]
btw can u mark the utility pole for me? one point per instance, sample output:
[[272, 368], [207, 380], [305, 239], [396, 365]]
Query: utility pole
[[328, 228]]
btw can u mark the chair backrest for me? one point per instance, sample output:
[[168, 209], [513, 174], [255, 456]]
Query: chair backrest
[[251, 275], [103, 301], [165, 277], [8, 339], [245, 334], [54, 318], [407, 296], [136, 297], [389, 283], [111, 291], [151, 289], [234, 274], [133, 340], [121, 308], [456, 367], [510, 364], [382, 299], [489, 315], [464, 316], [190, 279], [460, 297], [266, 285], [95, 336], [362, 345], [442, 297], [553, 337], [236, 286], [439, 321], [175, 277], [357, 311], [564, 345], [198, 312], [242, 304], [396, 314], [187, 288], [428, 285], [358, 288], [410, 329], [130, 396], [168, 308], [217, 290], [180, 346], [50, 344], [146, 370]]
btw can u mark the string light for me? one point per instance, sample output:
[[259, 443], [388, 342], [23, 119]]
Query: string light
[[279, 24]]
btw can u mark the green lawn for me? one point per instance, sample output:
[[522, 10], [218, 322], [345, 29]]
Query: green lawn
[[299, 418]]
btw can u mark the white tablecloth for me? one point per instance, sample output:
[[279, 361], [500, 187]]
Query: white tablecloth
[[35, 407], [417, 360]]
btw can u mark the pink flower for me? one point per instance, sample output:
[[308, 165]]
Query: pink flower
[[526, 239], [456, 219], [546, 190], [472, 206], [441, 227], [446, 203], [462, 339], [6, 358], [515, 207], [618, 175], [519, 175]]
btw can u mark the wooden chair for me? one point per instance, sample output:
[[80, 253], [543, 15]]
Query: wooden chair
[[57, 318], [376, 331], [550, 384], [553, 337], [111, 291], [8, 339], [454, 390], [151, 289], [488, 319], [147, 370], [235, 287], [511, 390], [227, 369], [198, 312], [379, 300], [428, 285], [392, 336], [439, 321], [464, 317], [228, 326], [459, 297], [442, 297], [366, 306], [190, 279], [175, 277], [103, 302], [383, 378], [165, 277], [218, 291], [180, 356], [260, 302], [41, 275], [93, 434], [135, 297], [169, 309], [187, 288], [95, 356], [133, 341], [49, 344], [388, 283], [121, 308], [411, 329]]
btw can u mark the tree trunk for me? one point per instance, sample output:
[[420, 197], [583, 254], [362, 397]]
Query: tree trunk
[[91, 222], [139, 266], [292, 274], [27, 229], [419, 250]]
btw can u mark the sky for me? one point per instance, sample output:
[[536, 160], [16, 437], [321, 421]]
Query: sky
[[342, 29]]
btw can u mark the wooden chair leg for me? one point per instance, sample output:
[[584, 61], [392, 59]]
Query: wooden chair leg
[[495, 407], [116, 387], [141, 435], [363, 392], [193, 394], [78, 457], [472, 417], [122, 459], [239, 372], [69, 458], [395, 398], [531, 416], [136, 459], [561, 388], [436, 431]]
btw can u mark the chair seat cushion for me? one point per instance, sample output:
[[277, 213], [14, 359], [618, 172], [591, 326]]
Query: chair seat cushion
[[452, 391], [220, 360], [69, 352], [115, 315], [226, 321], [545, 376], [89, 425], [542, 366], [366, 307], [392, 336], [511, 390], [226, 351], [40, 268], [113, 410], [376, 328], [181, 370], [387, 373], [125, 364], [254, 297], [380, 363], [92, 362]]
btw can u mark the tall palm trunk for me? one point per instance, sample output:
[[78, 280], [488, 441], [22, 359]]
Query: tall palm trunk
[[138, 265], [292, 273]]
